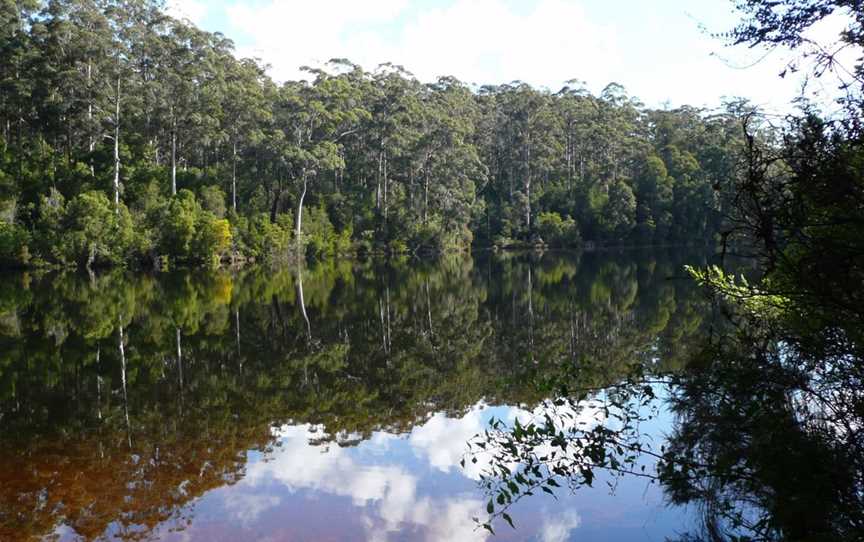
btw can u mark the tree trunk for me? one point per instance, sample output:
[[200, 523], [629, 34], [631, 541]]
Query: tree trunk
[[527, 182], [98, 382], [179, 358], [386, 188], [174, 157], [302, 303], [123, 381], [531, 317], [234, 177], [298, 220], [90, 142], [117, 150], [378, 185], [237, 329], [425, 195]]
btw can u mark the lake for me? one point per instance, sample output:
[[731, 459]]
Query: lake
[[334, 402]]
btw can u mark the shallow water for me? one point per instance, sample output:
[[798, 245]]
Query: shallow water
[[332, 403]]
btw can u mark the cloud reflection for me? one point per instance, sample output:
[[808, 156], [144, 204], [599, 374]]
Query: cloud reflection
[[384, 491], [386, 495]]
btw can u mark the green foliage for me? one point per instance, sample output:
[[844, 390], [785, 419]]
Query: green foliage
[[619, 211], [190, 233], [14, 241], [424, 167], [556, 231], [96, 232], [321, 238], [263, 240], [213, 200]]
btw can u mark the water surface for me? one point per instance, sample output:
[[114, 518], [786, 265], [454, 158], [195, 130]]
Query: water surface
[[329, 403]]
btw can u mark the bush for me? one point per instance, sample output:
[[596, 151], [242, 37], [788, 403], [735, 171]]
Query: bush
[[556, 231], [190, 233], [96, 232], [268, 241], [320, 237], [14, 245], [213, 200]]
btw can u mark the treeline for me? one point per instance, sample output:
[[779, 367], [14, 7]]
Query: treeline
[[127, 135]]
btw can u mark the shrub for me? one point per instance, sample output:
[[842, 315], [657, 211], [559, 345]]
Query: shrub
[[320, 237], [95, 231], [191, 233], [556, 231], [14, 245]]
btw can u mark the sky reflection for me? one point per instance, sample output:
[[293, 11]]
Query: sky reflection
[[407, 487]]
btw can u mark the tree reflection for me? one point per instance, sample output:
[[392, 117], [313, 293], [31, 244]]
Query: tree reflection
[[766, 440], [124, 398], [768, 447]]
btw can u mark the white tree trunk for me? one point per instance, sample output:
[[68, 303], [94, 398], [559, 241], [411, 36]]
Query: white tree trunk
[[174, 157], [298, 220], [117, 150], [234, 177]]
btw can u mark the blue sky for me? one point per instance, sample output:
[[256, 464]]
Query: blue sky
[[659, 50]]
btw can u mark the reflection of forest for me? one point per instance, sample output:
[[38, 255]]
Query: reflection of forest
[[122, 398]]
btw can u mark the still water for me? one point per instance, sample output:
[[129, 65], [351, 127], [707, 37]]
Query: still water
[[329, 403]]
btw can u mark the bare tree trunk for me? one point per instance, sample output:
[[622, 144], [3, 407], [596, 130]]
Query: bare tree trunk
[[123, 382], [425, 195], [386, 188], [303, 303], [91, 142], [98, 382], [234, 177], [237, 330], [179, 357], [117, 150], [429, 308], [531, 316], [528, 187], [378, 185], [174, 157], [298, 220]]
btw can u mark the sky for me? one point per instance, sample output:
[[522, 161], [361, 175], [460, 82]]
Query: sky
[[661, 51]]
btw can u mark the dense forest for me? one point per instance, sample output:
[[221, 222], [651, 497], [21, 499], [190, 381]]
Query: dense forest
[[128, 136]]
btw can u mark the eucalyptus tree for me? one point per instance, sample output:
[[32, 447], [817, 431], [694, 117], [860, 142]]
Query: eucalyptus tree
[[572, 104], [184, 64], [531, 146], [247, 95], [17, 56], [315, 119], [393, 128], [448, 163]]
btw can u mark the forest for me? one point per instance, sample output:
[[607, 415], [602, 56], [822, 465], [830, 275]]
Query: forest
[[128, 137]]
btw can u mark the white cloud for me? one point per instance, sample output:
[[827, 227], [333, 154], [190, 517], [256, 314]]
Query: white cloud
[[557, 528], [247, 508], [443, 441], [193, 10], [489, 41], [480, 41], [288, 35], [657, 51]]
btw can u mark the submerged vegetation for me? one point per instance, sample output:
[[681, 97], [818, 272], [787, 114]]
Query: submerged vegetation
[[116, 107]]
